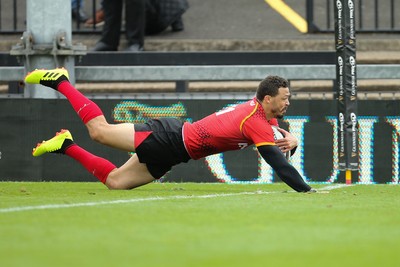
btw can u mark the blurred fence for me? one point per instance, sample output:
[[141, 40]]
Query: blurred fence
[[13, 16], [372, 16]]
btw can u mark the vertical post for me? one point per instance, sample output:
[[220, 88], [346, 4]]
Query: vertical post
[[45, 19], [392, 12], [346, 78], [15, 16], [328, 14], [376, 14], [360, 14], [309, 14], [311, 27], [181, 86]]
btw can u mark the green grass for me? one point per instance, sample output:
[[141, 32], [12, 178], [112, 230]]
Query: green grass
[[348, 226]]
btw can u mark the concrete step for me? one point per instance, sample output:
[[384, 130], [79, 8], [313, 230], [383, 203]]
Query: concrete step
[[369, 51]]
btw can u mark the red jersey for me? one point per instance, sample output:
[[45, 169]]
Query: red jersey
[[232, 128]]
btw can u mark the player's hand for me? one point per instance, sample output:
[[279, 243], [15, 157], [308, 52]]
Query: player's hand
[[288, 142]]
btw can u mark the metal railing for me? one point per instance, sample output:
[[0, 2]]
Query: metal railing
[[206, 66], [372, 16], [13, 17]]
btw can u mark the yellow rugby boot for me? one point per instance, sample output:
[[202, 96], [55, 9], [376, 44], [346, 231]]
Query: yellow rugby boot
[[57, 144], [51, 78]]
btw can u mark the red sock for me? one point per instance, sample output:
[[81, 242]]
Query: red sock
[[97, 166], [85, 108]]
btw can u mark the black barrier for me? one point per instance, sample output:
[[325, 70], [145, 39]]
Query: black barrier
[[23, 122]]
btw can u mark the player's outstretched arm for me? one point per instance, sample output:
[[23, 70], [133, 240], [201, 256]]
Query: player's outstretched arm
[[273, 156]]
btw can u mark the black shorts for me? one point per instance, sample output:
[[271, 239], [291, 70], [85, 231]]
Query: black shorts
[[164, 147]]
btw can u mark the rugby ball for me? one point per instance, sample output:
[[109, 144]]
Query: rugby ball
[[278, 135]]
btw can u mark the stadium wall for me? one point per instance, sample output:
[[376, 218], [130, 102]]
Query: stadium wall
[[24, 122]]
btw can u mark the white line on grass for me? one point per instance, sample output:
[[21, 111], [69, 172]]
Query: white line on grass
[[334, 186], [124, 201]]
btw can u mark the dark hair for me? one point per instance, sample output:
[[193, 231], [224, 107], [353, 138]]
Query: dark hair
[[270, 86]]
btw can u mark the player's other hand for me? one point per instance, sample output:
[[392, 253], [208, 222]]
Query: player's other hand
[[288, 142]]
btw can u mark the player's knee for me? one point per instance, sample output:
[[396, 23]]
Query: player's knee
[[96, 135], [115, 184], [97, 130]]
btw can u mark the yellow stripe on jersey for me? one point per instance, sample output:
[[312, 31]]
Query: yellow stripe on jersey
[[265, 144], [248, 116]]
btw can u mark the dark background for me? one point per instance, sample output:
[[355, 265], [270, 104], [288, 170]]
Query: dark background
[[24, 122]]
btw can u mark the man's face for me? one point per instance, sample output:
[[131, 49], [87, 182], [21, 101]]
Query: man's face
[[280, 103]]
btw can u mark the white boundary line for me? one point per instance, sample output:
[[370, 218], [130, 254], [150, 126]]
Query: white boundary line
[[334, 186], [133, 200]]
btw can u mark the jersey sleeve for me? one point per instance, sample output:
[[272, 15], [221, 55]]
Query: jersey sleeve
[[259, 132]]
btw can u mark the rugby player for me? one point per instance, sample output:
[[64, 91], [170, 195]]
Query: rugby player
[[159, 144]]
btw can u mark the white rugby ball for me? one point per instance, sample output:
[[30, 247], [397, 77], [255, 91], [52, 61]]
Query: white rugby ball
[[278, 135]]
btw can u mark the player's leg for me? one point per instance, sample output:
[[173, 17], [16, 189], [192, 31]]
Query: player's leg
[[130, 175], [58, 79], [119, 136]]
